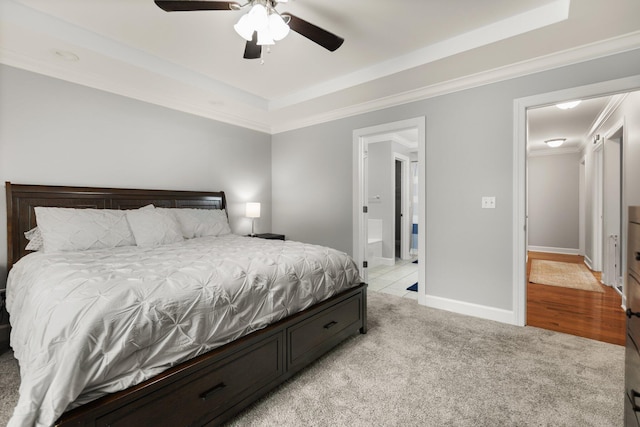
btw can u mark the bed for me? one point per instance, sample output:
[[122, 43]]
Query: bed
[[198, 373]]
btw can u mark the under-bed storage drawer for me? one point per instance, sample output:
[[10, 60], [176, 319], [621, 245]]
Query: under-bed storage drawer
[[207, 394], [632, 382], [315, 335]]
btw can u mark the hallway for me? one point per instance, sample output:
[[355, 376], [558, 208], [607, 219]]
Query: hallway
[[594, 315]]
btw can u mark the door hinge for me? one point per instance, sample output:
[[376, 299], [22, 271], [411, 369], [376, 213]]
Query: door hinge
[[365, 209], [365, 264]]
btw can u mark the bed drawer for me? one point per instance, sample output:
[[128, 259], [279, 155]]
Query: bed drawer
[[632, 382], [204, 396], [315, 335], [633, 304]]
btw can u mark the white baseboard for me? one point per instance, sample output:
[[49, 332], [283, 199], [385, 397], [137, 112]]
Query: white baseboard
[[470, 309], [588, 262], [551, 250]]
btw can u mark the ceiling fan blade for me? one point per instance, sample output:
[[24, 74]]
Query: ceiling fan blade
[[314, 33], [252, 49], [188, 5]]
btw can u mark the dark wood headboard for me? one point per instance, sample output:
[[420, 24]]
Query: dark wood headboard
[[21, 199]]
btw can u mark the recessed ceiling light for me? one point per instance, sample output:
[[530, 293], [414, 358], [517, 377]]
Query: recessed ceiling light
[[555, 143], [67, 56], [568, 105]]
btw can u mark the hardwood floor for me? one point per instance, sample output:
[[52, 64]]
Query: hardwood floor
[[594, 315]]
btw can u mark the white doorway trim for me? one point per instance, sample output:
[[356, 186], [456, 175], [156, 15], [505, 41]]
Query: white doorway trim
[[617, 134], [520, 106], [598, 213], [582, 205], [359, 195]]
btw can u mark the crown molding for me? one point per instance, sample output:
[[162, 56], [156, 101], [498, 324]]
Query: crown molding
[[28, 17], [81, 77], [540, 17], [265, 123], [611, 107], [584, 53]]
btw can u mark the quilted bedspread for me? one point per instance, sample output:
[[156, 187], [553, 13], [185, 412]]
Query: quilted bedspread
[[90, 323]]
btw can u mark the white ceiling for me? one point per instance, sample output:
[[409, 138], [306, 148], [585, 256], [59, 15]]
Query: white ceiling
[[394, 51], [550, 122]]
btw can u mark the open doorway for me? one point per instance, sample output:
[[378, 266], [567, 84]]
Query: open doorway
[[591, 205], [385, 201]]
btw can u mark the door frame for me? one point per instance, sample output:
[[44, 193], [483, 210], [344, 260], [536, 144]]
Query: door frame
[[618, 132], [520, 107], [359, 247], [405, 235], [598, 202]]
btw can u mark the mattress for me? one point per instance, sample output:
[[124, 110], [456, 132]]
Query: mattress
[[89, 323]]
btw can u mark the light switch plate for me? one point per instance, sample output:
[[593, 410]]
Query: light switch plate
[[488, 202]]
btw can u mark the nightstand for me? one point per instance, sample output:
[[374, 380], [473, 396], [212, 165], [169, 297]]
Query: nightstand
[[5, 328], [270, 236]]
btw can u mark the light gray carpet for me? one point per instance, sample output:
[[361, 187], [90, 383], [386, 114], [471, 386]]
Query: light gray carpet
[[424, 367], [9, 383]]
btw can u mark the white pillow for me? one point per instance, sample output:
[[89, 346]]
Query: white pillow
[[154, 227], [34, 236], [200, 222], [69, 229]]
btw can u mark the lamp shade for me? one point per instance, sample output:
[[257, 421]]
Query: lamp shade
[[253, 210], [277, 26], [244, 28], [264, 37]]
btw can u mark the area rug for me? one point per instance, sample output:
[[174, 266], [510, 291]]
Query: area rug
[[563, 274]]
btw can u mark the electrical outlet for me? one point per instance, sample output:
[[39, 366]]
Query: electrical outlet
[[488, 202]]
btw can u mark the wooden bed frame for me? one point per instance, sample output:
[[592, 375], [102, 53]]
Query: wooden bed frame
[[213, 387]]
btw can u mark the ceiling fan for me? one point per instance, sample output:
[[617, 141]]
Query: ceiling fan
[[262, 25]]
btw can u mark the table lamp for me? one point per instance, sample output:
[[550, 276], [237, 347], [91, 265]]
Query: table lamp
[[253, 212]]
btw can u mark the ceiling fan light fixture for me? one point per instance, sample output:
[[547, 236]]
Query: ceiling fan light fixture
[[556, 142], [265, 38], [268, 24], [569, 105], [277, 27], [244, 28], [263, 22], [259, 17]]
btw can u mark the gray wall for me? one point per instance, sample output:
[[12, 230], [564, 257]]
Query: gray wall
[[54, 132], [553, 201], [469, 154]]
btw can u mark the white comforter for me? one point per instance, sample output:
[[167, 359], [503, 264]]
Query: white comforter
[[86, 324]]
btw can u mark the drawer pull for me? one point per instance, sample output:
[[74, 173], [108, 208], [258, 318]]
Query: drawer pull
[[209, 394], [330, 324], [634, 405], [630, 313], [637, 256]]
